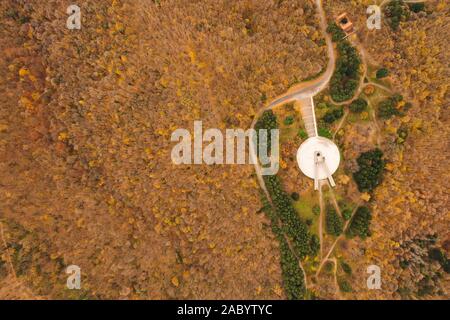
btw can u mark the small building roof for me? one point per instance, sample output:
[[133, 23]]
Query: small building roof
[[344, 22]]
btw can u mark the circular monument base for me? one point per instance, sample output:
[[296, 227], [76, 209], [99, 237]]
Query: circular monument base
[[315, 148]]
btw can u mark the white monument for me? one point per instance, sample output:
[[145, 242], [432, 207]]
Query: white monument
[[318, 158]]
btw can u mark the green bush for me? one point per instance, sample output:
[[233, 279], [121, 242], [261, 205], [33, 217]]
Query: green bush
[[328, 267], [324, 132], [358, 105], [388, 107], [437, 255], [263, 97], [446, 266], [344, 286], [334, 224], [316, 210], [402, 134], [370, 173], [360, 224], [425, 287], [302, 134], [288, 120], [347, 214], [268, 120], [15, 15], [346, 209], [382, 73], [346, 268], [417, 7], [333, 115], [3, 269], [314, 244]]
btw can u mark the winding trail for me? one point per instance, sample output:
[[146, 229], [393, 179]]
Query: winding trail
[[341, 123], [336, 283]]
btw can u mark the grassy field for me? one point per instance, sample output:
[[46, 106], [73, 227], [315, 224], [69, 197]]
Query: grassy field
[[304, 207]]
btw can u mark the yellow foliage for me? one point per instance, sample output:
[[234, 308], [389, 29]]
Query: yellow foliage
[[35, 96], [63, 136], [192, 56], [364, 115], [3, 127], [258, 290], [365, 196], [54, 256], [277, 290], [26, 103], [175, 281], [23, 72], [119, 27], [343, 179]]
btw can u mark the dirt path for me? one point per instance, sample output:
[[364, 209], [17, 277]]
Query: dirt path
[[336, 241], [341, 123], [336, 283], [378, 85], [335, 203]]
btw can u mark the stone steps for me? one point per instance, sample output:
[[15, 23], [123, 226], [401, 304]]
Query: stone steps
[[309, 118]]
